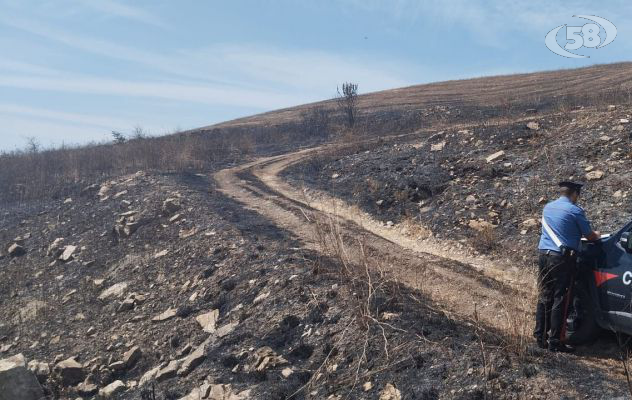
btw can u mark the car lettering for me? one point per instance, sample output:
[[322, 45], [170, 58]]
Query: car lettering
[[627, 277]]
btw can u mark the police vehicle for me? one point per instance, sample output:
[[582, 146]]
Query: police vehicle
[[602, 297]]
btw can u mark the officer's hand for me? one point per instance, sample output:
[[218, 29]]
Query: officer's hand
[[594, 236]]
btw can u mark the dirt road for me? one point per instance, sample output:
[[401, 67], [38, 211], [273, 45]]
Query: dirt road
[[457, 282]]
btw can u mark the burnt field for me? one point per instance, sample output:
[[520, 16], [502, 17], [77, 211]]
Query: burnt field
[[484, 185]]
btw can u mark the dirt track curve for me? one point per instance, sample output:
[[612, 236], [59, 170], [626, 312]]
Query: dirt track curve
[[456, 281]]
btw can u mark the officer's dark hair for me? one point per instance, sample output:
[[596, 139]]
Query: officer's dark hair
[[568, 188], [568, 192]]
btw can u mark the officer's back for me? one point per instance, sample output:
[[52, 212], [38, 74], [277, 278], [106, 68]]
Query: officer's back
[[567, 221]]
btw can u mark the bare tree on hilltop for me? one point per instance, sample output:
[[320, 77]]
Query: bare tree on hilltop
[[347, 102]]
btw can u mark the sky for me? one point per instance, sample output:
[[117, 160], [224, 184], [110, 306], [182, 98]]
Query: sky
[[72, 71]]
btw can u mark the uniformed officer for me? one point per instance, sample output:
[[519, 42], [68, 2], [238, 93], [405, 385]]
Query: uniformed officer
[[563, 225]]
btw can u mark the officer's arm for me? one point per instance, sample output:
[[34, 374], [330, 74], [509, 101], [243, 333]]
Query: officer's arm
[[584, 226]]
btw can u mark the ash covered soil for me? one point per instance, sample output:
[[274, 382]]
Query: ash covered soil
[[484, 186], [156, 286]]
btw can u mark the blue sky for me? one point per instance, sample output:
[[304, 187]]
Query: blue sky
[[73, 70]]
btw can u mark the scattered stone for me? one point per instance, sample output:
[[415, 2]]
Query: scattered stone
[[534, 126], [119, 194], [624, 121], [287, 372], [618, 194], [187, 233], [15, 250], [70, 371], [493, 157], [166, 315], [40, 369], [54, 249], [161, 254], [208, 320], [131, 357], [112, 389], [263, 359], [480, 225], [438, 146], [530, 223], [117, 366], [471, 199], [17, 382], [226, 329], [261, 297], [87, 389], [103, 191], [390, 392], [115, 290], [67, 254], [334, 176], [225, 392], [168, 372], [148, 376], [194, 359], [594, 175], [367, 386]]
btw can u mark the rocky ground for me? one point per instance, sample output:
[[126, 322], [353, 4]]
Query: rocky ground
[[485, 185], [158, 287]]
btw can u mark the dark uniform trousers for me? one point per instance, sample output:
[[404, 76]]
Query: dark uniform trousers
[[554, 276]]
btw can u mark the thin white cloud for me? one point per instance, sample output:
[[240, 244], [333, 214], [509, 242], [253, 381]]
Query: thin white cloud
[[113, 8], [98, 121], [197, 93]]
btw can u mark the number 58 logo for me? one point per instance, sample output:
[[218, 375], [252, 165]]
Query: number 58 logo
[[577, 37]]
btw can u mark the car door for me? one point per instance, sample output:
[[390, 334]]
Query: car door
[[612, 273]]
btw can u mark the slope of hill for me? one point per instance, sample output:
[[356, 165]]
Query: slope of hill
[[210, 276], [476, 98]]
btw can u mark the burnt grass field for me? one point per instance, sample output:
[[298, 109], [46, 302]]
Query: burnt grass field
[[287, 325], [126, 274], [485, 185]]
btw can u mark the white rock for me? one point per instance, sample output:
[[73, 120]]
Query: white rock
[[438, 146], [112, 389], [493, 157], [208, 320], [67, 255], [594, 175], [115, 290]]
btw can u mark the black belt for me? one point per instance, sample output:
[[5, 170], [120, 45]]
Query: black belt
[[566, 253], [550, 252]]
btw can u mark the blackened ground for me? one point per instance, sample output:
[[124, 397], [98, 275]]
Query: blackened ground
[[442, 180], [304, 311]]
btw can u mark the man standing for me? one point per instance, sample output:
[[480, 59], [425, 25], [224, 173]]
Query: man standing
[[563, 225]]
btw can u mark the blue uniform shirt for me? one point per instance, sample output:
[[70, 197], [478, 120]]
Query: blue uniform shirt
[[567, 221]]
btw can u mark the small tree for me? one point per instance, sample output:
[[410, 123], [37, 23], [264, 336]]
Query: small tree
[[139, 133], [118, 137], [32, 145], [347, 102]]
